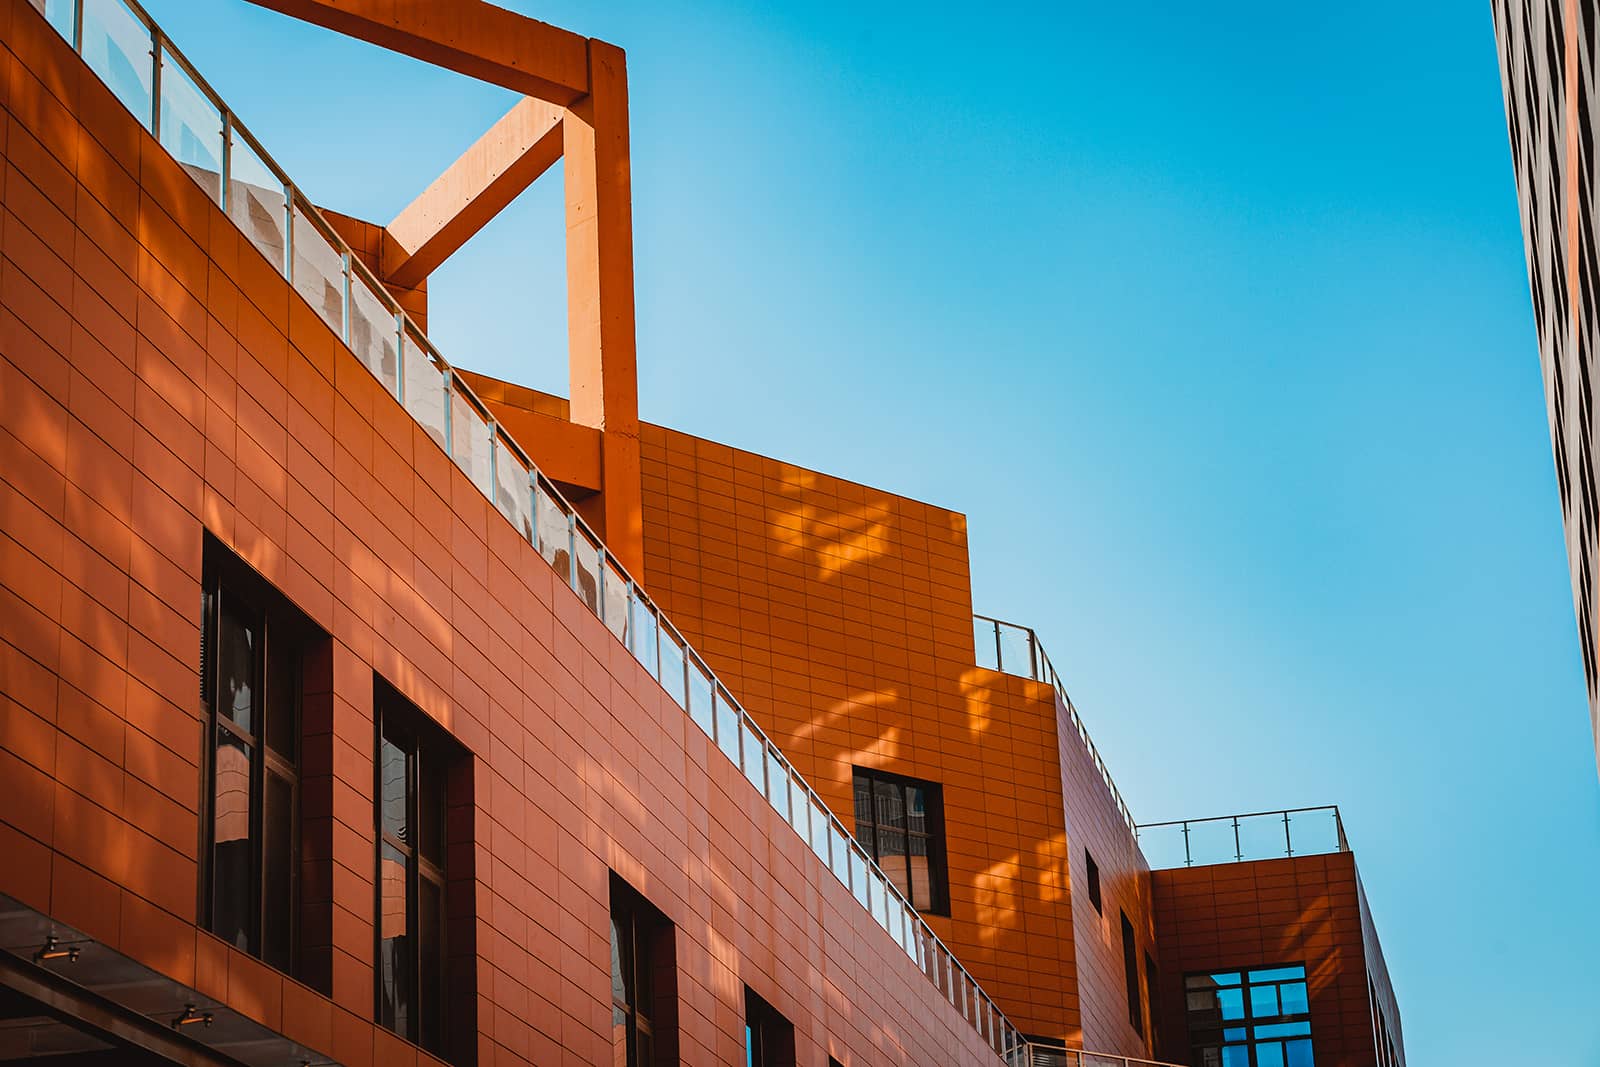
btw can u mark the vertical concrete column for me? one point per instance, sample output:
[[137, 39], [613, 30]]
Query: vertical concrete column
[[602, 356]]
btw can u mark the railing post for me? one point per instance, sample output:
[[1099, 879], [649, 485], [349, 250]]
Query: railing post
[[1288, 839], [77, 26], [227, 157], [999, 660], [1238, 851], [155, 83], [1188, 858]]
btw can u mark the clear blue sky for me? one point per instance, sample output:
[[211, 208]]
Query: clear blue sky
[[1214, 320]]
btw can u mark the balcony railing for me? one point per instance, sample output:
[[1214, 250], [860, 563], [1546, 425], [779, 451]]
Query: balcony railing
[[1012, 649], [129, 52], [1262, 835], [1040, 1055]]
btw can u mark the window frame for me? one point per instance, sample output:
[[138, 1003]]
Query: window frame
[[1212, 1033], [649, 1018], [227, 580], [768, 1033], [1093, 879], [938, 902], [407, 733], [1130, 965]]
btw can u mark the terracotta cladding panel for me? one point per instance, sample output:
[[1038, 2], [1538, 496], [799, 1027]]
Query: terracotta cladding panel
[[158, 379]]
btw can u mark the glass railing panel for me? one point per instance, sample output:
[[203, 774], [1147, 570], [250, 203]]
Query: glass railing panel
[[616, 597], [673, 666], [374, 333], [646, 640], [727, 726], [469, 437], [318, 270], [118, 47], [1315, 832], [1163, 846], [754, 762], [257, 199], [1212, 842], [701, 688], [554, 526], [858, 876], [1016, 650], [424, 387], [60, 14], [513, 492], [777, 784], [191, 125], [1263, 837], [843, 857], [586, 575], [819, 829], [799, 807], [983, 643]]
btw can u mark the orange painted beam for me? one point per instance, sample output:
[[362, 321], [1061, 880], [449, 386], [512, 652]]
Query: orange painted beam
[[524, 144], [602, 354], [470, 37]]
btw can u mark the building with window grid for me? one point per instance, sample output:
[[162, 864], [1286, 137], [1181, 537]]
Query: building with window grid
[[1547, 69], [360, 709]]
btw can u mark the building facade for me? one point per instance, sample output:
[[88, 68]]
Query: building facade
[[359, 709], [1547, 71]]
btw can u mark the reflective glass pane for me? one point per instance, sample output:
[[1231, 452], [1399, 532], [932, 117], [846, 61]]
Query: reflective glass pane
[[875, 898], [1297, 1029], [374, 335], [1212, 841], [430, 806], [671, 670], [1293, 997], [983, 643], [616, 594], [238, 637], [1163, 846], [1263, 837], [424, 388], [282, 726], [191, 127], [819, 830], [392, 781], [555, 536], [799, 808], [256, 200], [1263, 1000], [318, 271], [727, 727], [754, 761], [842, 855], [513, 495], [1298, 1053], [1278, 974], [643, 637], [60, 15], [117, 47], [395, 971], [1236, 1056], [777, 784], [430, 961], [700, 697], [587, 574], [469, 444], [858, 878], [1315, 832], [1269, 1054], [918, 872], [1231, 1002], [232, 891], [277, 872]]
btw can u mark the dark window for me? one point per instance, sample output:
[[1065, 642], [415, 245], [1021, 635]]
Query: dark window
[[412, 762], [900, 822], [1094, 881], [1130, 962], [768, 1036], [644, 981], [252, 647], [1250, 1018]]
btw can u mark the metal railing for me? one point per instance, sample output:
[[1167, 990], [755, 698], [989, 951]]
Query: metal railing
[[1035, 1054], [1260, 835], [129, 52], [1013, 649]]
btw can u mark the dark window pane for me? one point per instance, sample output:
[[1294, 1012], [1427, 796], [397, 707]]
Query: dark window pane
[[891, 804], [392, 782], [236, 640], [917, 861], [277, 878], [430, 934], [395, 977], [282, 727], [916, 809], [621, 960], [892, 858], [232, 886], [430, 808]]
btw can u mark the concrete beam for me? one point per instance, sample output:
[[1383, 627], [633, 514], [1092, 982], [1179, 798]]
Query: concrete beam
[[507, 159], [470, 37]]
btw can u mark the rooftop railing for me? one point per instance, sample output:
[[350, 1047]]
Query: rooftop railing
[[129, 52], [1012, 649], [1034, 1054], [1262, 835]]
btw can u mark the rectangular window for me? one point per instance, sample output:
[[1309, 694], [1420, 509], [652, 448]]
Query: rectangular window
[[1250, 1018], [644, 981], [253, 642], [1094, 881], [768, 1036], [413, 758], [900, 823], [1130, 962]]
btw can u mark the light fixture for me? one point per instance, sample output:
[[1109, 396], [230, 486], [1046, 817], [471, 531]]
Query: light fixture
[[191, 1016], [54, 950]]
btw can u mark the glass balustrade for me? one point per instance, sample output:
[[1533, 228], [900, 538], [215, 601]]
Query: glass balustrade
[[1262, 835], [125, 49]]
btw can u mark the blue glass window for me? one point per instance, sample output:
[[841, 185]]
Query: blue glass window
[[1273, 1001]]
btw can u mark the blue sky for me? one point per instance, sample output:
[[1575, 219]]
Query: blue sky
[[1213, 319]]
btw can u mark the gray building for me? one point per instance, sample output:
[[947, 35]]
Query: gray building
[[1547, 69]]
